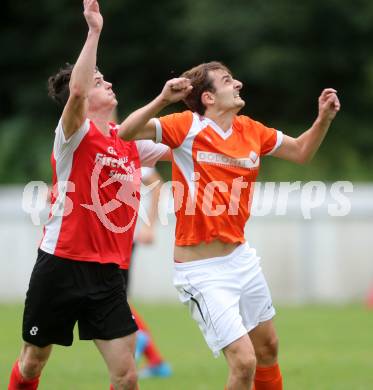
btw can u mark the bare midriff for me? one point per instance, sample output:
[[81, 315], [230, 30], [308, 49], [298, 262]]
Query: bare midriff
[[203, 251]]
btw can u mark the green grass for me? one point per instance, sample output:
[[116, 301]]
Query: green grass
[[321, 348]]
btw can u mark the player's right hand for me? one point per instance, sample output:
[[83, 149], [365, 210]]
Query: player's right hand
[[92, 15], [329, 104], [176, 89]]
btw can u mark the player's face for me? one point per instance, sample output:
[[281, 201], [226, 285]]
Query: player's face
[[101, 93], [227, 91]]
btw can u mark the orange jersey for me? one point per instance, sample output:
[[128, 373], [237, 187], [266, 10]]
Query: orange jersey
[[213, 173]]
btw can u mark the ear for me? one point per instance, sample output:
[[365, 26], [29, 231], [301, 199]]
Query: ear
[[207, 98]]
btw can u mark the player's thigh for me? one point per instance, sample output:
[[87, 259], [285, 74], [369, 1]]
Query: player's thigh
[[52, 301], [263, 332], [118, 353], [265, 341], [240, 353], [106, 314], [32, 354], [213, 300], [256, 302]]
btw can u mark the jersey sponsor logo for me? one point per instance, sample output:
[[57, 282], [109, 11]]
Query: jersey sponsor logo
[[220, 159], [117, 163], [127, 194], [112, 151], [109, 161], [253, 156], [121, 176]]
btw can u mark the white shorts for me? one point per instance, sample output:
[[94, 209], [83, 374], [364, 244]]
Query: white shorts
[[227, 296]]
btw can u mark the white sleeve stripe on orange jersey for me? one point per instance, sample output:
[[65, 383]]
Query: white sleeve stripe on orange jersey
[[183, 156], [158, 130], [279, 138]]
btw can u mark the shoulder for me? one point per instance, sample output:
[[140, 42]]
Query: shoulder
[[248, 122], [244, 120], [184, 117], [63, 146]]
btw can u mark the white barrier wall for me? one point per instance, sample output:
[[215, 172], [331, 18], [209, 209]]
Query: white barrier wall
[[321, 259]]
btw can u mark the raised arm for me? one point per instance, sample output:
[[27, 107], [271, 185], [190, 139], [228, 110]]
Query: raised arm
[[81, 80], [302, 149], [138, 124]]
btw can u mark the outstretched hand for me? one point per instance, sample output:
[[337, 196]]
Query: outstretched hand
[[176, 89], [92, 15], [329, 104]]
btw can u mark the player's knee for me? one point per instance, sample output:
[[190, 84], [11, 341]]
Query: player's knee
[[31, 366], [125, 380], [244, 367], [32, 361], [131, 380], [268, 351]]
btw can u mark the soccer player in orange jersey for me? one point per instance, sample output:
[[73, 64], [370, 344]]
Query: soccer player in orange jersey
[[216, 158]]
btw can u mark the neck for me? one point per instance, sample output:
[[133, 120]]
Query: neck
[[101, 122], [222, 118]]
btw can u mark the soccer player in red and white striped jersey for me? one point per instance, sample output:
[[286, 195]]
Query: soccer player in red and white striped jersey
[[88, 236]]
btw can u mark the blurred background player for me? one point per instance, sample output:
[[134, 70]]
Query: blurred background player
[[155, 366], [144, 234], [369, 299]]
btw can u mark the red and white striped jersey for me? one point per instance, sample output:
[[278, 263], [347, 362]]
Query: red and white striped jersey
[[95, 196]]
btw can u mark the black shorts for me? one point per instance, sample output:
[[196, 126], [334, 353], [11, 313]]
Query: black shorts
[[126, 273], [63, 292], [125, 276]]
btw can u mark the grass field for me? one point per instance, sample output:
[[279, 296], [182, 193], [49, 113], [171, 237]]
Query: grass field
[[322, 348]]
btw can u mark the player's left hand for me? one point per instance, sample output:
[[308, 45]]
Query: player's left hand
[[329, 104], [92, 15], [176, 89]]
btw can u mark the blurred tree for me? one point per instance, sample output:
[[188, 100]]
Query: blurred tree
[[284, 52]]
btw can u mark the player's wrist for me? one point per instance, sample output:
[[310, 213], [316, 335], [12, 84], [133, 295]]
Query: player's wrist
[[94, 31], [323, 121], [162, 101]]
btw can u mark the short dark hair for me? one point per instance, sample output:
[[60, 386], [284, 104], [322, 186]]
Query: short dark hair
[[201, 82], [58, 85]]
